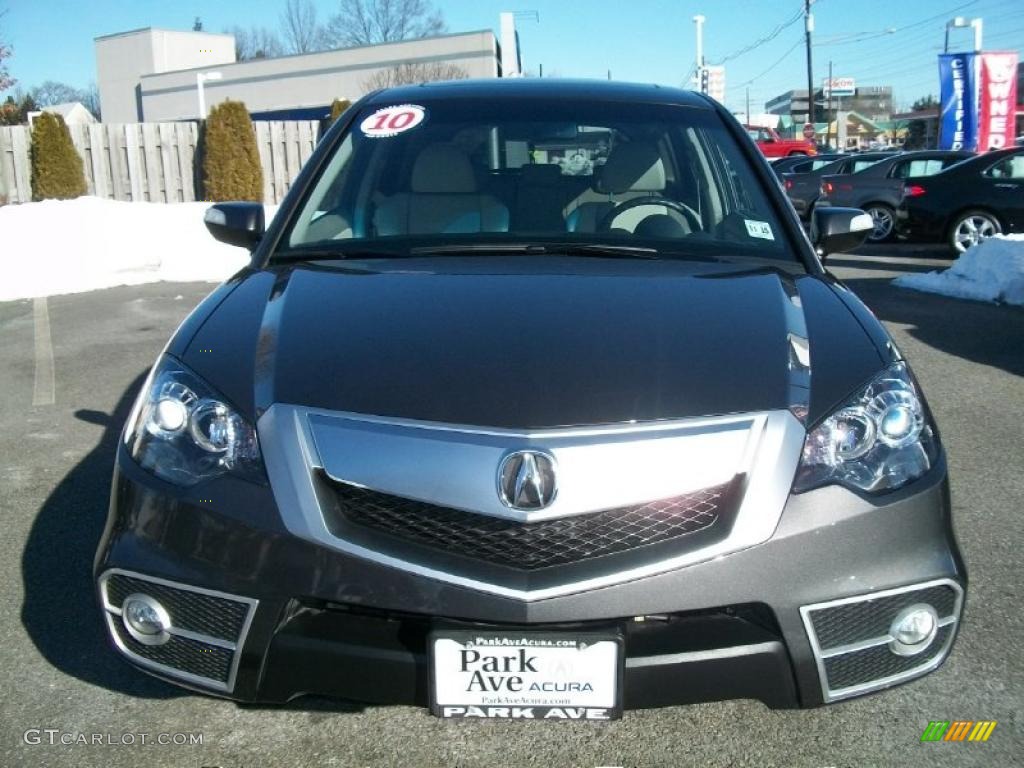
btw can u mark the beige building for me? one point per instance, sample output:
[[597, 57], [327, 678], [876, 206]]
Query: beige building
[[152, 75], [123, 59]]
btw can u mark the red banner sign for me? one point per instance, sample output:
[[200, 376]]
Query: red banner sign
[[997, 100]]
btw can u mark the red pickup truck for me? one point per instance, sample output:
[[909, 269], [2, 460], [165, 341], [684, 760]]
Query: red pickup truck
[[773, 145]]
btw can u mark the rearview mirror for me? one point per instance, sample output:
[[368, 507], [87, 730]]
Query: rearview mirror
[[240, 224], [834, 230]]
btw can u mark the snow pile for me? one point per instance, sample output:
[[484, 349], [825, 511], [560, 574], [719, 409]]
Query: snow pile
[[68, 246], [991, 271]]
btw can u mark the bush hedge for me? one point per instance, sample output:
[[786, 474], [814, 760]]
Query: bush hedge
[[56, 165], [338, 107], [231, 163]]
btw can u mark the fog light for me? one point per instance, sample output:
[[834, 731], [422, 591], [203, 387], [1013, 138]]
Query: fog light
[[145, 619], [913, 629]]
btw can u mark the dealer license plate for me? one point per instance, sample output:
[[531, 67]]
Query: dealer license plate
[[526, 675]]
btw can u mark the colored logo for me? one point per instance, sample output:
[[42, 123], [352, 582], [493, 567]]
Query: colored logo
[[958, 730]]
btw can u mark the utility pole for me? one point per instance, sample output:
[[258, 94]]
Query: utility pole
[[808, 28], [748, 106], [699, 21], [831, 112]]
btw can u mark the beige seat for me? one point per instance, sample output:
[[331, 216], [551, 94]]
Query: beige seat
[[633, 169], [443, 198]]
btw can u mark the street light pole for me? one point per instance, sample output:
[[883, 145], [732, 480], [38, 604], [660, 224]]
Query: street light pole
[[960, 22], [808, 28], [202, 77]]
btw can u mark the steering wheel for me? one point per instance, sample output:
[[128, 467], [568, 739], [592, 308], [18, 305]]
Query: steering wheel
[[691, 216]]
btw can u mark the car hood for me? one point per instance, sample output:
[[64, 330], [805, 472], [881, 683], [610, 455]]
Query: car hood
[[528, 343]]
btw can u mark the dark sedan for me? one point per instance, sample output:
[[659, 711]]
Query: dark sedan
[[964, 204], [878, 188], [801, 164], [803, 188], [534, 402]]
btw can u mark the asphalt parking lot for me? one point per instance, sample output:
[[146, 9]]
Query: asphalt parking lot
[[69, 367]]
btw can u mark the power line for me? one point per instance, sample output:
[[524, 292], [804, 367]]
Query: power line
[[797, 44], [778, 30]]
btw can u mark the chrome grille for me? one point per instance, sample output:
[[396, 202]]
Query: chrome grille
[[534, 545]]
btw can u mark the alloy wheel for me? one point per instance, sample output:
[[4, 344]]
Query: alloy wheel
[[883, 221], [972, 229]]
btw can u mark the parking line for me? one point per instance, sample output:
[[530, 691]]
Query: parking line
[[43, 391]]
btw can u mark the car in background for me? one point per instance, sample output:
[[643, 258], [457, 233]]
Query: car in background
[[967, 203], [804, 188], [801, 163], [878, 188], [773, 145]]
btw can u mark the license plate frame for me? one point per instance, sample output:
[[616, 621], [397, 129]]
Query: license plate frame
[[526, 649]]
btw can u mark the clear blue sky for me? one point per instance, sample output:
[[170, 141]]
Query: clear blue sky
[[645, 40]]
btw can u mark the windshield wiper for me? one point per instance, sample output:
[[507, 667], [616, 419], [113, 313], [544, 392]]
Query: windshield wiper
[[601, 250], [311, 254]]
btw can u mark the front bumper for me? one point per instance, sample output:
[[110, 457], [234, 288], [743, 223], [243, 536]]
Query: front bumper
[[319, 621]]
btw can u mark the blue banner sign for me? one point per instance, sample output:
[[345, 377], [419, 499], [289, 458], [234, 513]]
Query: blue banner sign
[[958, 121]]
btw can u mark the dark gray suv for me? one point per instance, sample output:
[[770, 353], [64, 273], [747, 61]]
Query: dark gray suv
[[534, 402]]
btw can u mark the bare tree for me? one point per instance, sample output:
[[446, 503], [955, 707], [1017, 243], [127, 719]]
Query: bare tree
[[255, 43], [91, 100], [365, 22], [299, 27], [51, 92], [409, 72], [6, 81]]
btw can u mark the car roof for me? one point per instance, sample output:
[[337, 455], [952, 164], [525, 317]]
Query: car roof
[[982, 158], [551, 88]]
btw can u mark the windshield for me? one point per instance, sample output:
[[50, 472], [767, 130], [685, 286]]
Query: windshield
[[450, 172]]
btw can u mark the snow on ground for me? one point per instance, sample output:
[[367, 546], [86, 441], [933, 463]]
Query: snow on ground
[[69, 246], [991, 271]]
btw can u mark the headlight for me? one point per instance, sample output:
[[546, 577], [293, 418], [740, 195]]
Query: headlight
[[183, 431], [879, 440]]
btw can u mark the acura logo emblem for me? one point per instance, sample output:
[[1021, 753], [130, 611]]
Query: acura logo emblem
[[526, 480]]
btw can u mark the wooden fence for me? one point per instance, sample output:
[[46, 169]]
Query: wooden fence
[[156, 162]]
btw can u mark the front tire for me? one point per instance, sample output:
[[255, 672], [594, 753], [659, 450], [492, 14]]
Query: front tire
[[883, 217], [971, 228]]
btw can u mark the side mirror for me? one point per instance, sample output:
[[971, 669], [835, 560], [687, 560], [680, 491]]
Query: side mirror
[[834, 230], [240, 224]]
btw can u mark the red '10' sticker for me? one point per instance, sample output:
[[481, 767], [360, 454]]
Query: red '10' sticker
[[391, 121]]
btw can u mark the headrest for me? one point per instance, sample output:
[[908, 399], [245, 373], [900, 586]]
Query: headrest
[[541, 174], [635, 166], [443, 169]]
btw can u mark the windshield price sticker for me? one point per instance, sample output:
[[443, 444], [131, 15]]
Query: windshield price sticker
[[760, 229], [391, 121]]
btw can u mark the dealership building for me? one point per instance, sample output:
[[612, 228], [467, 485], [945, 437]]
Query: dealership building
[[874, 103], [149, 75]]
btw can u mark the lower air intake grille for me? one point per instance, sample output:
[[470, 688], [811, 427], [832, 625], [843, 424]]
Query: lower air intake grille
[[215, 617], [852, 669], [184, 654], [206, 632], [852, 642], [542, 544]]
